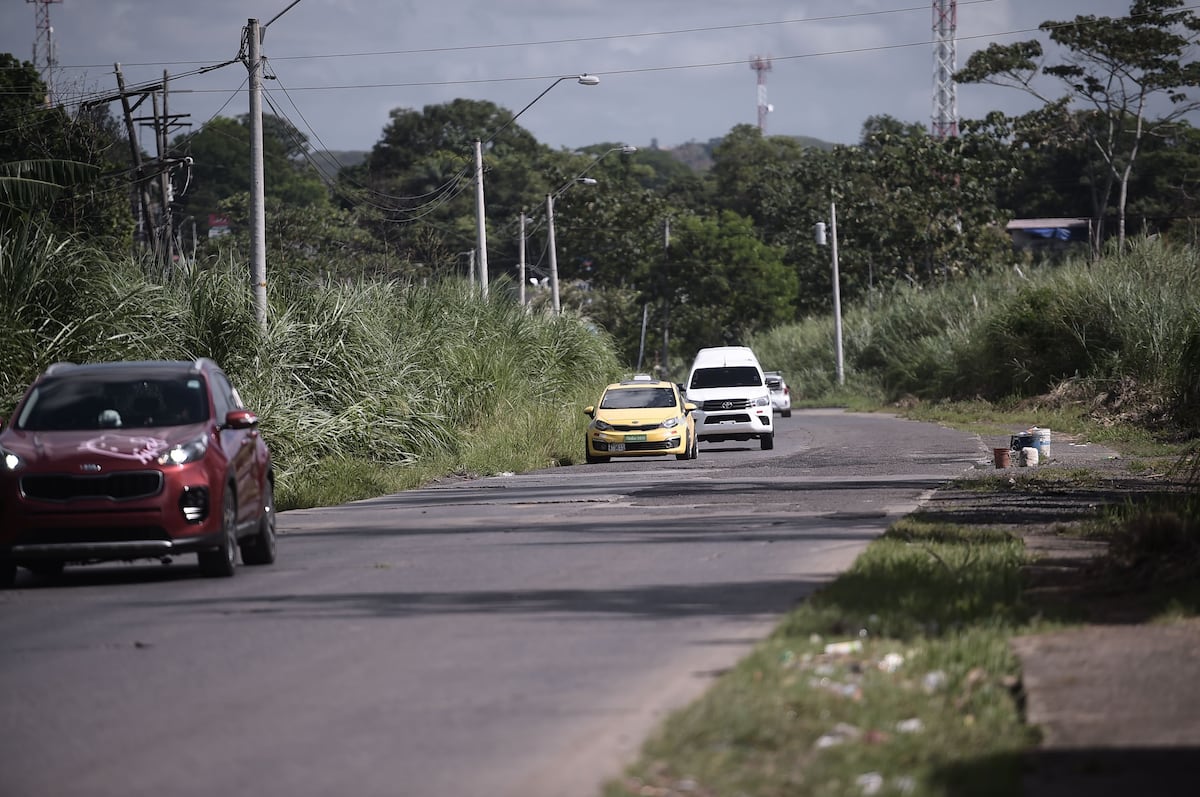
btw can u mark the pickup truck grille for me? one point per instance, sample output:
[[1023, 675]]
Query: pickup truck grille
[[724, 405]]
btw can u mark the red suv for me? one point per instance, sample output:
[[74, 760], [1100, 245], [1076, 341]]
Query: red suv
[[134, 460]]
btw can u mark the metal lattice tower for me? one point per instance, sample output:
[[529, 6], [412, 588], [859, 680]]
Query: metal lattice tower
[[945, 94], [762, 66], [44, 59]]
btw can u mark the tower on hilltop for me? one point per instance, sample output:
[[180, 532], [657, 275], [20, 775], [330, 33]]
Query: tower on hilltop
[[762, 66], [945, 94], [44, 59]]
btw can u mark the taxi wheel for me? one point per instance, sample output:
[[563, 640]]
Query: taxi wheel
[[8, 572], [587, 455], [695, 448]]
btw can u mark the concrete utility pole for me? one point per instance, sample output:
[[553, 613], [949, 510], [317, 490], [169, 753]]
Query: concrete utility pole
[[837, 293], [666, 349], [553, 253], [819, 230], [521, 263], [480, 225], [258, 216]]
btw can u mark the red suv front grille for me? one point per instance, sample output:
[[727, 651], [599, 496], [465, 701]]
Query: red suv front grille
[[113, 486]]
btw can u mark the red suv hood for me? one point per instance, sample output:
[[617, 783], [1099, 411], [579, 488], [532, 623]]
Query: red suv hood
[[114, 448]]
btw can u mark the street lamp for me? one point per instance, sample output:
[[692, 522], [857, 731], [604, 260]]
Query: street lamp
[[480, 225], [625, 149]]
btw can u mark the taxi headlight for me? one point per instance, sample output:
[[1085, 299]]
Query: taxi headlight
[[601, 426], [670, 423]]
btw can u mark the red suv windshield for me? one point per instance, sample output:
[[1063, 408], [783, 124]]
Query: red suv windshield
[[114, 402]]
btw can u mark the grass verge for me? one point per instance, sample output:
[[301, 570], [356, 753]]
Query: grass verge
[[881, 683], [898, 677]]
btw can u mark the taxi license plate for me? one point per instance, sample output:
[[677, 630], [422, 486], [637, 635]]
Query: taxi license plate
[[635, 438], [616, 446]]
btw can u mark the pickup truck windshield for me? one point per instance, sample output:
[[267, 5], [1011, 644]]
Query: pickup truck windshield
[[730, 376]]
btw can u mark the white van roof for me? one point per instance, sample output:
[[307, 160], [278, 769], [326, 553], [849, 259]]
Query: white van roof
[[723, 356]]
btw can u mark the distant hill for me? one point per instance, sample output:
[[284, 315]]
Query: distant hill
[[331, 161], [698, 155], [695, 154]]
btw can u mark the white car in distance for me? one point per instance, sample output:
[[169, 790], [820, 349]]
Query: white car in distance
[[781, 394]]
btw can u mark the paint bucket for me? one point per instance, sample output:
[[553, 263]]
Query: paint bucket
[[1003, 457], [1029, 457]]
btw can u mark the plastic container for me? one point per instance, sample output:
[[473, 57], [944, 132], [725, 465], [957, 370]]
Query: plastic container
[[1029, 457], [1041, 441], [1022, 440]]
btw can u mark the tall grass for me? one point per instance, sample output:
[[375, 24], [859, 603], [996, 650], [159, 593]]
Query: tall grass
[[370, 383], [1131, 316]]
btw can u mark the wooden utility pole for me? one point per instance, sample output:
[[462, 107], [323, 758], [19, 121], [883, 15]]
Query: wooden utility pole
[[153, 231], [145, 228], [164, 237]]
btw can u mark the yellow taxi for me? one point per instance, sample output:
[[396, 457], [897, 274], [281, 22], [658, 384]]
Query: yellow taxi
[[640, 417]]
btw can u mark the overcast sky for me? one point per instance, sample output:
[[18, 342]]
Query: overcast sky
[[670, 71]]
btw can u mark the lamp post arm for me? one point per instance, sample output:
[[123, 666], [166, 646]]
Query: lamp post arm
[[585, 79]]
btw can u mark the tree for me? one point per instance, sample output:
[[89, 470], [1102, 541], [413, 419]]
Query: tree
[[744, 160], [220, 170], [421, 174], [725, 283], [54, 168], [1116, 67]]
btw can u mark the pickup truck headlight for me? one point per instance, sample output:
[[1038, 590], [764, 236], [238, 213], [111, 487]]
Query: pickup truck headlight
[[762, 401]]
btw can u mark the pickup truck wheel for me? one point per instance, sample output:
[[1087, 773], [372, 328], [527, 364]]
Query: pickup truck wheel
[[767, 442]]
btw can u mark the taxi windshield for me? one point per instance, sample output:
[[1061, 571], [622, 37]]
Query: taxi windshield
[[631, 398]]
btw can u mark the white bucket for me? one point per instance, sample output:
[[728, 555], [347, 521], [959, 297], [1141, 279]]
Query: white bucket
[[1029, 457], [1041, 441]]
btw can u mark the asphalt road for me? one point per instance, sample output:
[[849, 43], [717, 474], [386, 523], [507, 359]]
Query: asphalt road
[[514, 635]]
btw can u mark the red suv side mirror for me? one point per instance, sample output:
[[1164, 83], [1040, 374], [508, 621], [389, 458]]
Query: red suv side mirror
[[240, 419]]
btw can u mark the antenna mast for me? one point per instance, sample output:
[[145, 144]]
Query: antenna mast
[[945, 94], [762, 66], [44, 59]]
